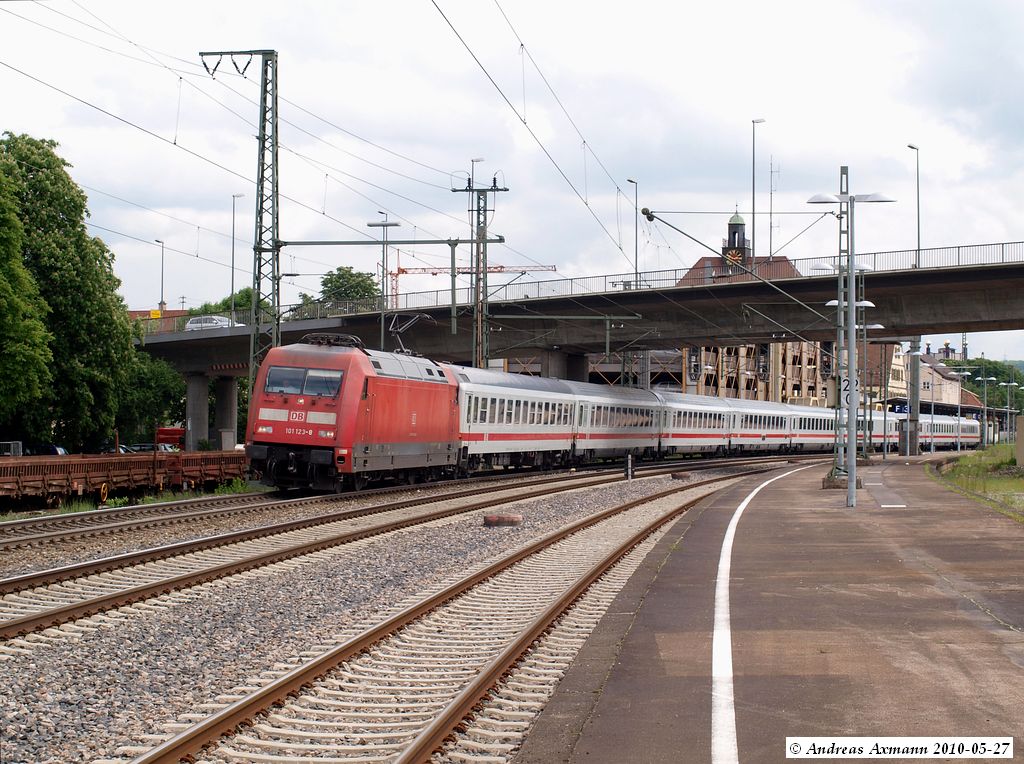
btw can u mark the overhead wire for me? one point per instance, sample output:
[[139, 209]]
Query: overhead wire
[[150, 53], [529, 129]]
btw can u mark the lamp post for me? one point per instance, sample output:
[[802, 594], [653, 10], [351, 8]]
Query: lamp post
[[162, 305], [932, 383], [636, 232], [984, 408], [234, 198], [385, 224], [753, 194], [1009, 405], [917, 164], [848, 386], [959, 401]]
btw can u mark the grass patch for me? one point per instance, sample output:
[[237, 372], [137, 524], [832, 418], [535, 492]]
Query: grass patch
[[991, 474]]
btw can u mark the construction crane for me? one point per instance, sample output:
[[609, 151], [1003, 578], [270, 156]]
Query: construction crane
[[461, 269]]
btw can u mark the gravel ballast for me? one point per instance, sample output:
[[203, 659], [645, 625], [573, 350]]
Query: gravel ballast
[[81, 700]]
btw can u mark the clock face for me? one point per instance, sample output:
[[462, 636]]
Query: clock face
[[733, 256]]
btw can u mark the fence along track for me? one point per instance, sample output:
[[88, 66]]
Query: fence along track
[[399, 685]]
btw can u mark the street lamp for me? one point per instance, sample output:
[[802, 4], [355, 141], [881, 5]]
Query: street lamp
[[850, 393], [753, 194], [162, 304], [1009, 405], [932, 382], [385, 224], [234, 197], [917, 163], [636, 232], [959, 401], [984, 408]]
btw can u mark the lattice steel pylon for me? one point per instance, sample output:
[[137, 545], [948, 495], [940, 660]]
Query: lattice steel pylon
[[265, 313]]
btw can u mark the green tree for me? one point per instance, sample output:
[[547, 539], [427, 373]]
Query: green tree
[[87, 319], [346, 284], [154, 395], [25, 343], [243, 304]]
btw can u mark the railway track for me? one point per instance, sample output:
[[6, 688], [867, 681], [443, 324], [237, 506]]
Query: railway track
[[38, 601], [491, 645], [53, 529], [50, 528]]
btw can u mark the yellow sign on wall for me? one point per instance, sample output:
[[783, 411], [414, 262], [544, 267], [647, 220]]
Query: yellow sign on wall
[[155, 314]]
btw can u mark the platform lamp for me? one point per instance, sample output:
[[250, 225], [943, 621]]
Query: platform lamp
[[984, 408], [385, 224], [851, 396], [959, 400], [934, 367], [1009, 405]]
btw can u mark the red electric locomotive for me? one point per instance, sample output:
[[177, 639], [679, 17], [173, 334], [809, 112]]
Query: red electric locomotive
[[328, 414]]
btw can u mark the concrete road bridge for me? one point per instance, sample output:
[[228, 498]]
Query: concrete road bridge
[[972, 288]]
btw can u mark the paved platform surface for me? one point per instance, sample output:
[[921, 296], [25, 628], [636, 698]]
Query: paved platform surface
[[901, 617]]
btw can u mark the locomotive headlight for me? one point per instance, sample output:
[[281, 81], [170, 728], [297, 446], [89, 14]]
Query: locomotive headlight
[[327, 434], [264, 429]]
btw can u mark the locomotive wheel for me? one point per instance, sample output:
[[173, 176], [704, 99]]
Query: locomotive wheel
[[359, 482]]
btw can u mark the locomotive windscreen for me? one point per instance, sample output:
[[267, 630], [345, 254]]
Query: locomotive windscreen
[[296, 381]]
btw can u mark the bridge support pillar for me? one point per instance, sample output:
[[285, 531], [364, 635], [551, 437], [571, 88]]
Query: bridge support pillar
[[197, 410], [914, 399], [561, 365], [225, 413]]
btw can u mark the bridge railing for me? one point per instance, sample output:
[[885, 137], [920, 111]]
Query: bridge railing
[[776, 269]]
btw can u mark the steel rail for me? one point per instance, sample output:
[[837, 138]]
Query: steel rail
[[35, 579], [191, 741], [105, 564], [55, 616], [442, 727]]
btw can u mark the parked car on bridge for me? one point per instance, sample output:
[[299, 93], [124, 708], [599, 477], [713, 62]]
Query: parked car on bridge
[[198, 323], [152, 447]]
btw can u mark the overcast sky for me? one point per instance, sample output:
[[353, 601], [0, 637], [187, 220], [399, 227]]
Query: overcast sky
[[383, 106]]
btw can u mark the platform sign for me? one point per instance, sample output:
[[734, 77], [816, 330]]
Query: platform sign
[[155, 314], [844, 386]]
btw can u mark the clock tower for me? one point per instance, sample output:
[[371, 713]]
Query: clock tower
[[736, 247]]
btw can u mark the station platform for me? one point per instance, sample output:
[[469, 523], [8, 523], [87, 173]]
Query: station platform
[[903, 616]]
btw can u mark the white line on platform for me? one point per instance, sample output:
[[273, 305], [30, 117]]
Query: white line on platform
[[723, 710], [874, 484], [894, 506]]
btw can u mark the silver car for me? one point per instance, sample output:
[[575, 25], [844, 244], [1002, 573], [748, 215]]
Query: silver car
[[209, 322]]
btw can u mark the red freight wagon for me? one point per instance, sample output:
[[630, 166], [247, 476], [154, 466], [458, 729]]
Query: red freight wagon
[[328, 414]]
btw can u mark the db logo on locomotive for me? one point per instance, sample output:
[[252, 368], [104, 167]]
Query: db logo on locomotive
[[297, 416]]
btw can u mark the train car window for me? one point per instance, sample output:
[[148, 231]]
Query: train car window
[[501, 411], [493, 411], [476, 409], [284, 379], [322, 382], [547, 413], [375, 364]]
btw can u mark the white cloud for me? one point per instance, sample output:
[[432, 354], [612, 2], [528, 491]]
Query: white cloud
[[662, 92]]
